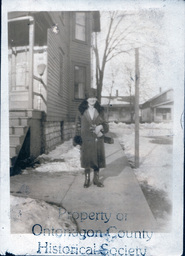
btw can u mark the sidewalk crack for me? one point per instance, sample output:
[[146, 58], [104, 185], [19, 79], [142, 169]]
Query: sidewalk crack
[[68, 189]]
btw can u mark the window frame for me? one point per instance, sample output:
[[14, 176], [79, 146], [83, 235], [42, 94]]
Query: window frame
[[85, 26], [80, 65]]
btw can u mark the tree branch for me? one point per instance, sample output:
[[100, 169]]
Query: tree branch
[[117, 53]]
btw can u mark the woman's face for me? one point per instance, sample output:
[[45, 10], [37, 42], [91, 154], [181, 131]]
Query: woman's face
[[91, 101]]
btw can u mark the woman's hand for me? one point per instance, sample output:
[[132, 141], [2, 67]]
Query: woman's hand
[[98, 129]]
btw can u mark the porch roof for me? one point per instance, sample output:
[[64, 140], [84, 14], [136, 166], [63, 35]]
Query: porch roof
[[18, 30]]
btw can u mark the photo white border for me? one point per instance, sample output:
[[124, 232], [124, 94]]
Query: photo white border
[[161, 244]]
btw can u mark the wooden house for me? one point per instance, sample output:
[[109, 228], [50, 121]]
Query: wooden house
[[49, 74], [158, 108], [119, 108]]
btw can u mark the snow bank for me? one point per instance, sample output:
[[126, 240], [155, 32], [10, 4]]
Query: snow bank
[[161, 125], [155, 158], [26, 212], [60, 151], [146, 129], [155, 171], [64, 158]]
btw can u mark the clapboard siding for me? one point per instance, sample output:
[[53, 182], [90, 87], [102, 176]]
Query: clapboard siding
[[75, 102], [58, 98], [63, 106], [80, 55]]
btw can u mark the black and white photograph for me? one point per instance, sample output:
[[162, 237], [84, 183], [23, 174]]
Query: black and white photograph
[[92, 152]]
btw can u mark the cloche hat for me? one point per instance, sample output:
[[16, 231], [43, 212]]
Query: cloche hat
[[92, 93]]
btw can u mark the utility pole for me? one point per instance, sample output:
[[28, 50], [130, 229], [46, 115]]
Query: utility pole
[[137, 78], [110, 96]]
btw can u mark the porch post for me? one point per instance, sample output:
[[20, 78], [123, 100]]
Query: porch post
[[31, 60], [154, 115]]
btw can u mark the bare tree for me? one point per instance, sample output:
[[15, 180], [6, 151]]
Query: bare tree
[[112, 47], [121, 37]]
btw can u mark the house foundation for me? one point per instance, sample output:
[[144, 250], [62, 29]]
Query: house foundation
[[55, 133]]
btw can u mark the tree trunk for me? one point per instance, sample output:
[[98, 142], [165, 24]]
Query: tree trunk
[[99, 85]]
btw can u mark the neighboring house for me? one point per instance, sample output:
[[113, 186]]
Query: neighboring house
[[49, 74], [118, 108], [158, 108]]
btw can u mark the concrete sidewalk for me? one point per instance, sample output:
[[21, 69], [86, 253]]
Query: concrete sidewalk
[[120, 204]]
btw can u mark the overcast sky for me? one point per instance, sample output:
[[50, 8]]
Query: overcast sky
[[159, 35]]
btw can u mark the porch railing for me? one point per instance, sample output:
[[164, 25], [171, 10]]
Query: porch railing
[[40, 94]]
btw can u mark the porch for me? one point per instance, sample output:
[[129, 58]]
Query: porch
[[27, 59]]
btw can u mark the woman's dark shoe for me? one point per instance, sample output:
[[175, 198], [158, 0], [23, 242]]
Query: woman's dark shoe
[[87, 179], [96, 180]]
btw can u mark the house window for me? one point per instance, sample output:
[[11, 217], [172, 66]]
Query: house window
[[80, 26], [79, 82], [163, 113], [19, 69]]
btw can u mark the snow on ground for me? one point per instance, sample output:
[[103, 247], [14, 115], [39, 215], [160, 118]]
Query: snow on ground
[[25, 212], [155, 171], [155, 152], [64, 158], [155, 155]]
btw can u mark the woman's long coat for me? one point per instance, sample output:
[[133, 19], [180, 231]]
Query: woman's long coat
[[92, 148]]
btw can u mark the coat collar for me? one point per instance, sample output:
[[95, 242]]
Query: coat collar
[[87, 115], [84, 106]]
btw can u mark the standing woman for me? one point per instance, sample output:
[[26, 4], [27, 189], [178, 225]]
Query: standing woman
[[89, 133]]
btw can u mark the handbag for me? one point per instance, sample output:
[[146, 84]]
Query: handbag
[[77, 140], [108, 139]]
